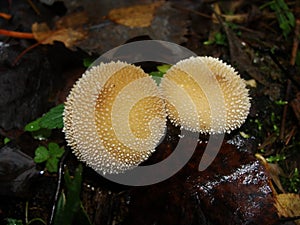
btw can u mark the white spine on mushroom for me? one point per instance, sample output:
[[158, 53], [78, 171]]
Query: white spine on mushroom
[[204, 94], [98, 121]]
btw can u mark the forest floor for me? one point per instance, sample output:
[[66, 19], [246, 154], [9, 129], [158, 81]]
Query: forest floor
[[45, 47]]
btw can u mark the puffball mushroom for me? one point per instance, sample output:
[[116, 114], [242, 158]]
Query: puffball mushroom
[[114, 117], [194, 86]]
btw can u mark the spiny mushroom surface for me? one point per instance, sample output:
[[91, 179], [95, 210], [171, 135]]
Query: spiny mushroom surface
[[205, 95], [114, 117]]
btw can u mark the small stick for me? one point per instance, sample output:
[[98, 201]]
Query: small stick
[[35, 9], [285, 109], [58, 186], [295, 43], [16, 34], [5, 16]]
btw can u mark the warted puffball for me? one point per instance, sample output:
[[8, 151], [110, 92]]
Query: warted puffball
[[205, 95], [114, 117]]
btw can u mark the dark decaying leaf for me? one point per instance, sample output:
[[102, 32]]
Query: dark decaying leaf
[[235, 189], [17, 171], [288, 206], [134, 16], [24, 88], [106, 34], [68, 30]]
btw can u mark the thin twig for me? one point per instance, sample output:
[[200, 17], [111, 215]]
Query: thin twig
[[5, 16], [59, 183], [35, 9], [295, 43], [24, 52], [285, 109], [16, 34], [290, 135]]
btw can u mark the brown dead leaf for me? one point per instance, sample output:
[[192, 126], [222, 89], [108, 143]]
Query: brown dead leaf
[[41, 31], [276, 171], [134, 16], [68, 30], [69, 36], [288, 205]]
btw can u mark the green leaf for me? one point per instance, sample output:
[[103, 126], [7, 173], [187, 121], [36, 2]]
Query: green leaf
[[157, 74], [11, 221], [209, 42], [55, 150], [41, 134], [281, 102], [33, 126], [54, 118], [52, 164], [70, 208], [6, 140], [275, 158], [41, 154], [59, 214], [220, 39], [163, 68], [156, 79], [88, 61]]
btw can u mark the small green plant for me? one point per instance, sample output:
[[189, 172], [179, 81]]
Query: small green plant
[[276, 158], [41, 129], [285, 17], [293, 181], [11, 221], [51, 120], [50, 155], [219, 39], [6, 140], [281, 102], [69, 206], [161, 70]]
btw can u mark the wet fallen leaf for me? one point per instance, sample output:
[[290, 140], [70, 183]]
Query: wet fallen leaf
[[25, 89], [288, 205], [275, 171], [17, 171], [68, 30], [134, 16], [45, 35]]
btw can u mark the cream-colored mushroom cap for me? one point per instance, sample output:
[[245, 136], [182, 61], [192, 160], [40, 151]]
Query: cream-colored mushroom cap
[[204, 94], [114, 117]]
